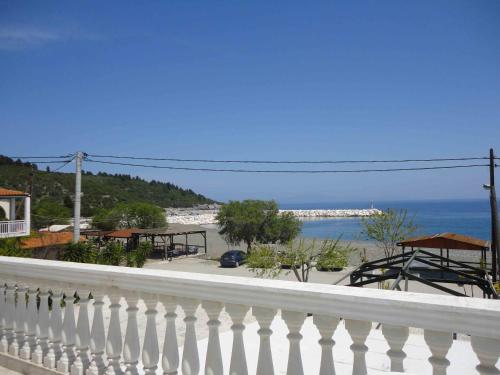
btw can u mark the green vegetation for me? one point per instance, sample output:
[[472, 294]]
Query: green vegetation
[[388, 228], [298, 257], [48, 212], [130, 215], [251, 221], [111, 253], [11, 247], [102, 190]]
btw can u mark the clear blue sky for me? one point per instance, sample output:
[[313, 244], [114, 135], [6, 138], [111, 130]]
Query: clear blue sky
[[260, 80]]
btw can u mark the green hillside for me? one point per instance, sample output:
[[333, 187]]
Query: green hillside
[[101, 190]]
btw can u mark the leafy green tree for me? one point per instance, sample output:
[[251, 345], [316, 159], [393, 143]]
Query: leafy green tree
[[298, 257], [48, 212], [130, 215], [388, 228], [251, 221]]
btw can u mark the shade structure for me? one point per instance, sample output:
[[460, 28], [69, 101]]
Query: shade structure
[[446, 241]]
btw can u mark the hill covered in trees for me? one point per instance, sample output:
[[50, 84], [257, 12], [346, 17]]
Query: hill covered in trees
[[101, 190]]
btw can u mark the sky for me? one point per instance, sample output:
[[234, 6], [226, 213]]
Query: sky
[[260, 80]]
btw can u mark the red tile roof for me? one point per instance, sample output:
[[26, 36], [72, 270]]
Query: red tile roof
[[122, 233], [11, 193], [48, 239]]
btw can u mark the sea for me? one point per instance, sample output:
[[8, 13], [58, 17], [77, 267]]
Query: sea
[[468, 217]]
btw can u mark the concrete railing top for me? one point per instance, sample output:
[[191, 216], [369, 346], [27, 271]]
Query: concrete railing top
[[472, 316]]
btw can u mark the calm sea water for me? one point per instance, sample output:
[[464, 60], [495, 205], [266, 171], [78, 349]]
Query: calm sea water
[[469, 217]]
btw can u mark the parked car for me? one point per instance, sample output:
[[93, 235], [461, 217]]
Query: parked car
[[233, 258]]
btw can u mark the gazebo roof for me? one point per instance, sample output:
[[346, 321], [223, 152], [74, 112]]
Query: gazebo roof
[[446, 241]]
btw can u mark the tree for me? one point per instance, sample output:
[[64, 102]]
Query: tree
[[298, 257], [130, 215], [251, 221], [388, 228], [48, 212]]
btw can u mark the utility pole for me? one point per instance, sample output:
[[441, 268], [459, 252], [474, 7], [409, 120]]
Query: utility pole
[[78, 193], [495, 259]]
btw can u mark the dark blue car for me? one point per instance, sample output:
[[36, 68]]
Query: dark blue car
[[232, 258]]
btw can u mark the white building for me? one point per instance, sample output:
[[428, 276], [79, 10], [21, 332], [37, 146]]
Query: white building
[[10, 225]]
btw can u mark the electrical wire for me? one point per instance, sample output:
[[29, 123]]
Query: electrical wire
[[41, 157], [285, 171], [62, 166], [287, 161], [47, 162]]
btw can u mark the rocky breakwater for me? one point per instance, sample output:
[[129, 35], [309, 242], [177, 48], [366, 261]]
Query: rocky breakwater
[[207, 215], [334, 213]]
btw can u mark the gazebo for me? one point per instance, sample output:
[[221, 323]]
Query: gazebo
[[430, 268]]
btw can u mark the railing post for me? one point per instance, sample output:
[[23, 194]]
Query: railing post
[[68, 332], [213, 362], [294, 321], [131, 348], [55, 331], [264, 317], [396, 337], [359, 331], [3, 312], [20, 320], [190, 356], [439, 343], [326, 326], [31, 323], [114, 343], [82, 338], [487, 350], [10, 298], [150, 348], [238, 364], [97, 333], [170, 356]]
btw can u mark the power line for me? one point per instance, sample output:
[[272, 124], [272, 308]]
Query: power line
[[286, 171], [48, 162], [62, 166], [41, 157], [287, 161]]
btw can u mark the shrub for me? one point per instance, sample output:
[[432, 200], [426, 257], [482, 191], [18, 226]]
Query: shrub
[[113, 254], [80, 252], [140, 255]]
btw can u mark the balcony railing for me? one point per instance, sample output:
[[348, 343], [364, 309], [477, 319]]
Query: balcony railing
[[91, 334], [13, 228]]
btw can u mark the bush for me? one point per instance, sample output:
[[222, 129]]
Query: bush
[[333, 259], [80, 252], [113, 254], [140, 255], [11, 247]]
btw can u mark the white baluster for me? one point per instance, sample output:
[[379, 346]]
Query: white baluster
[[20, 321], [3, 312], [190, 356], [97, 334], [238, 364], [31, 323], [10, 297], [170, 356], [294, 321], [42, 328], [396, 337], [68, 332], [359, 331], [264, 317], [55, 330], [114, 343], [213, 362], [132, 346], [439, 343], [487, 350], [82, 338], [326, 326], [150, 349]]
